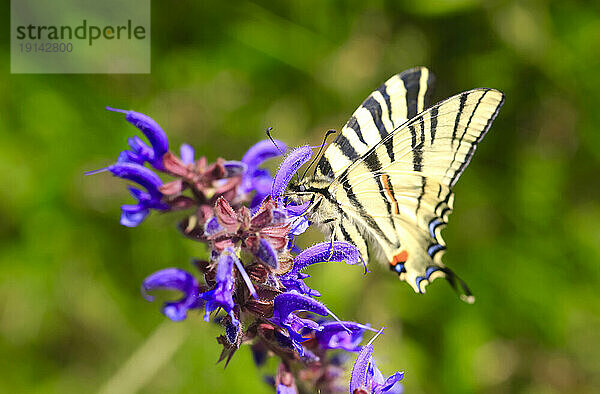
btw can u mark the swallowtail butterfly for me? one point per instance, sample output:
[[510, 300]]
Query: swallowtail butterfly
[[387, 177]]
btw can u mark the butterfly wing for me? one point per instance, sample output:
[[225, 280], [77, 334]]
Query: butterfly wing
[[399, 191], [400, 98]]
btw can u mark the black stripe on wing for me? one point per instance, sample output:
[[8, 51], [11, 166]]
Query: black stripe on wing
[[411, 84], [374, 109], [471, 151], [346, 147], [401, 97], [368, 219], [354, 125], [383, 90]]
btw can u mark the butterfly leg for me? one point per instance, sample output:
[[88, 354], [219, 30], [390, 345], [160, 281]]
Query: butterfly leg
[[332, 237]]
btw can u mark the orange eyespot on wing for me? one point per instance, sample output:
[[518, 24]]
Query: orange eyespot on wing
[[397, 263], [400, 257]]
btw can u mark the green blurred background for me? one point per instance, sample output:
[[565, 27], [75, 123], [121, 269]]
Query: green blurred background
[[524, 234]]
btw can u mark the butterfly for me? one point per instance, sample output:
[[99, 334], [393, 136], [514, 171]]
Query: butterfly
[[387, 178]]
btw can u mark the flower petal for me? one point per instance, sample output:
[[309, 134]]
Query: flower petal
[[226, 215], [345, 335], [139, 174], [152, 131], [139, 194], [175, 165], [299, 286], [391, 384], [266, 253], [174, 279], [262, 151], [299, 225], [260, 180], [140, 152], [187, 154], [361, 374], [288, 168], [133, 215], [283, 389], [279, 216], [262, 218], [289, 302], [297, 210], [276, 235], [172, 188], [322, 252], [234, 168], [284, 307], [222, 294], [212, 227], [128, 156]]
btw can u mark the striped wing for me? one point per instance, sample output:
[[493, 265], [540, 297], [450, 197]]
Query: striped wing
[[400, 98], [400, 190]]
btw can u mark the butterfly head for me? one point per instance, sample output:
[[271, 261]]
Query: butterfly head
[[308, 189]]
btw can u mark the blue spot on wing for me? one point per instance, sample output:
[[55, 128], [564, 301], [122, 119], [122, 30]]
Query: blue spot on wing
[[430, 270], [433, 225], [398, 268], [433, 249]]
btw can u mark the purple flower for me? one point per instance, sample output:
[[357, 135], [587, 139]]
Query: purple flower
[[267, 254], [187, 154], [140, 152], [367, 378], [283, 389], [234, 168], [256, 178], [288, 168], [322, 252], [222, 295], [174, 279], [133, 215], [284, 380], [280, 315], [345, 335], [286, 305], [296, 216], [256, 233]]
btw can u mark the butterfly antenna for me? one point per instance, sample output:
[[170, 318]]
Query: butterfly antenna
[[273, 141], [327, 134]]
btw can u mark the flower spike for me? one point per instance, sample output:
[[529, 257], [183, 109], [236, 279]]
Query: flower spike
[[288, 168], [254, 269]]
